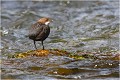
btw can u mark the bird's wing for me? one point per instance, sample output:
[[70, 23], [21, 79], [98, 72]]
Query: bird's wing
[[43, 34], [35, 30]]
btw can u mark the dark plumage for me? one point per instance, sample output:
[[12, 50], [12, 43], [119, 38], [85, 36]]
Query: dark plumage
[[39, 31]]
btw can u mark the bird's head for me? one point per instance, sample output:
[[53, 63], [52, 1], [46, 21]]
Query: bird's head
[[45, 21]]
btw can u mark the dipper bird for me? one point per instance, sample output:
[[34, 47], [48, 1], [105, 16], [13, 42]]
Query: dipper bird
[[40, 31]]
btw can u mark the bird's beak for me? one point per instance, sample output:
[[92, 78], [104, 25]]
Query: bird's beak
[[51, 20]]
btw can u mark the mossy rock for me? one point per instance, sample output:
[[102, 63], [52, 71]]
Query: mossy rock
[[40, 53], [56, 52]]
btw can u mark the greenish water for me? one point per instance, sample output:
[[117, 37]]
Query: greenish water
[[91, 26]]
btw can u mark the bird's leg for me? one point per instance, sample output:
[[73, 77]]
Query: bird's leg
[[35, 44], [42, 44]]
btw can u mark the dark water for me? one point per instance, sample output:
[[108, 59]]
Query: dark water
[[78, 26]]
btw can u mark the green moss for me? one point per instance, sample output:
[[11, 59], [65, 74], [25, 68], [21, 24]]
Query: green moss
[[82, 56], [76, 56]]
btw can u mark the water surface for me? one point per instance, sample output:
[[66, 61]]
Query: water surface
[[88, 26]]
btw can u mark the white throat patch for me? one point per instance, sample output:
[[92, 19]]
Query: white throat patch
[[46, 23]]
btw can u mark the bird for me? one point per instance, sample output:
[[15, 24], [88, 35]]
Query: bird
[[40, 30]]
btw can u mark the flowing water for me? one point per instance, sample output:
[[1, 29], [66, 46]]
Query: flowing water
[[78, 26]]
